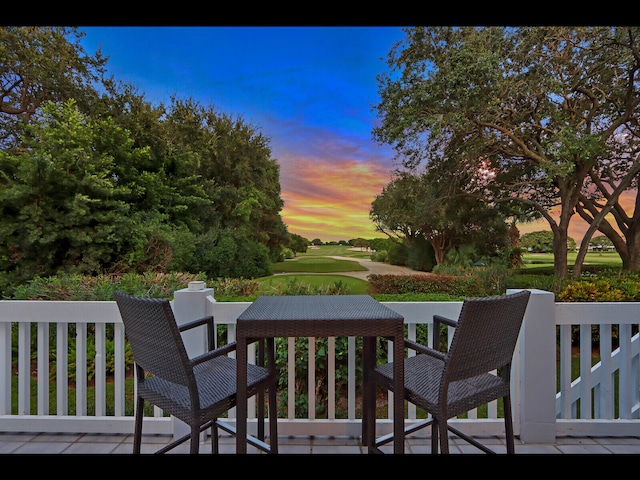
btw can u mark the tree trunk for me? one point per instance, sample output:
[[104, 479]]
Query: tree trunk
[[560, 265], [593, 227], [619, 243], [438, 252], [633, 248]]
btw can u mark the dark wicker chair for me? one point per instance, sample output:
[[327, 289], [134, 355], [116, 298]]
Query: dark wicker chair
[[195, 390], [475, 370]]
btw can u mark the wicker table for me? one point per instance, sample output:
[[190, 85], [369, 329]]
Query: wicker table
[[324, 316]]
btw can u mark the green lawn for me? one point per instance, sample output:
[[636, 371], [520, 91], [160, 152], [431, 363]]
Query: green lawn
[[335, 251], [355, 286], [317, 264], [537, 260], [319, 271]]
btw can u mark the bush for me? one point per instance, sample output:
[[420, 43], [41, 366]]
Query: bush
[[381, 256], [431, 284], [549, 283], [398, 254], [421, 256], [102, 287]]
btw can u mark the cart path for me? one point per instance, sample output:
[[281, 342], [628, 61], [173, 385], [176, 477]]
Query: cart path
[[378, 268]]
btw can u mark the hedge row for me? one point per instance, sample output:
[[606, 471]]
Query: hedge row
[[455, 286]]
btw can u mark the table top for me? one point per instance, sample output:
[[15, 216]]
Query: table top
[[318, 315], [312, 307]]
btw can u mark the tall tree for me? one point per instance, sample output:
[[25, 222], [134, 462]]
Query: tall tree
[[62, 208], [392, 211], [188, 175], [543, 107], [418, 206], [38, 64]]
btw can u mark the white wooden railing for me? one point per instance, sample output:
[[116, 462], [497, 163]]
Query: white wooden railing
[[606, 395]]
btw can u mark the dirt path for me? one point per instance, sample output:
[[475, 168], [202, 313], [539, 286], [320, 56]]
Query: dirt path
[[377, 268]]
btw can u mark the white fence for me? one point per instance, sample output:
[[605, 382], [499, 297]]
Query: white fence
[[604, 400]]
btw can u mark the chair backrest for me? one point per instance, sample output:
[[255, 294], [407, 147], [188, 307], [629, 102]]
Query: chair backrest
[[155, 339], [486, 335]]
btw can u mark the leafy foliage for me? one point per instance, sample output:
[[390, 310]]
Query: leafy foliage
[[441, 284], [527, 117], [108, 183]]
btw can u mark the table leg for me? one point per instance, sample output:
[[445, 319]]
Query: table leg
[[241, 395], [260, 394], [368, 392], [398, 388], [273, 408]]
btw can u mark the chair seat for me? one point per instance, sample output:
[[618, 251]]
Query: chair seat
[[422, 383], [216, 380]]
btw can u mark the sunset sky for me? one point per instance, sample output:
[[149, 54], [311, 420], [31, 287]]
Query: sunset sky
[[310, 90]]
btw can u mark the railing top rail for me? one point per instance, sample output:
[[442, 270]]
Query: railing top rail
[[226, 312], [59, 311], [611, 313]]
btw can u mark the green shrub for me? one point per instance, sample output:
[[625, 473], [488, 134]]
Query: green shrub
[[591, 291], [102, 287], [234, 287], [550, 283], [440, 284], [381, 256]]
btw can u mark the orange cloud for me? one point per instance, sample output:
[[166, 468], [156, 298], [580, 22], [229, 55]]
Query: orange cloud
[[330, 199]]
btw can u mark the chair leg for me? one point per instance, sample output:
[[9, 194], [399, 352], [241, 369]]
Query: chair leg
[[214, 437], [444, 437], [508, 425], [137, 432], [260, 393], [434, 436], [195, 439]]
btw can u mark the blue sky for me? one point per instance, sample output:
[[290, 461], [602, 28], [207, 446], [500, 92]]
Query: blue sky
[[310, 89]]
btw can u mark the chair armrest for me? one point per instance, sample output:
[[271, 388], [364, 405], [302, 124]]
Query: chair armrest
[[423, 349], [196, 323], [208, 321], [445, 320], [230, 347], [437, 320]]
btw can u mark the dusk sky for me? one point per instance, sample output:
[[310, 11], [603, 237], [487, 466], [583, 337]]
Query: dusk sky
[[310, 90]]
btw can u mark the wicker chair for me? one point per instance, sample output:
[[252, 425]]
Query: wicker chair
[[475, 370], [195, 390]]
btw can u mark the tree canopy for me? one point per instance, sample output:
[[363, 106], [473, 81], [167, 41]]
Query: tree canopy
[[543, 116], [413, 207], [95, 179]]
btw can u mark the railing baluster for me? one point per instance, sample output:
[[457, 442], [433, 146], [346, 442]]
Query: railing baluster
[[99, 378], [119, 373], [311, 377], [585, 371], [566, 400], [331, 388], [291, 378], [5, 368], [81, 369], [604, 399], [62, 374], [43, 368], [24, 369], [625, 372], [351, 378]]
